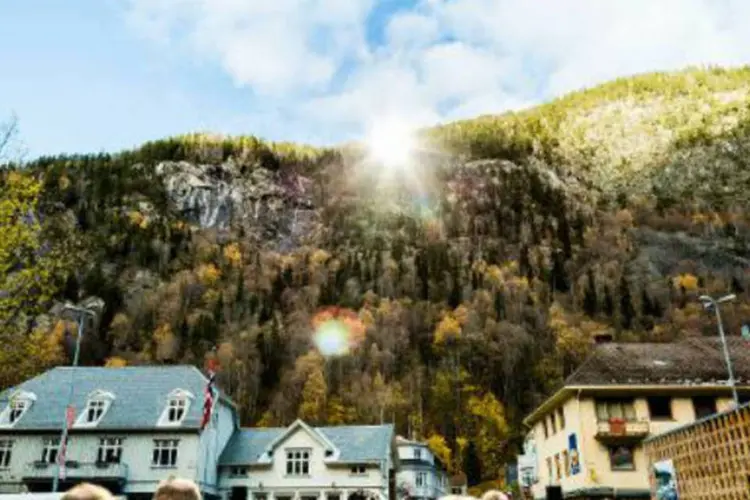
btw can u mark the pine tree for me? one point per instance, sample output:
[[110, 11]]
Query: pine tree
[[627, 312]]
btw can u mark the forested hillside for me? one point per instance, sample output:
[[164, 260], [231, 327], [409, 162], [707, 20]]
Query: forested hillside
[[465, 293]]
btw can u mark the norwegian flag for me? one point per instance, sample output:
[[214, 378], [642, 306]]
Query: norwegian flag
[[209, 397]]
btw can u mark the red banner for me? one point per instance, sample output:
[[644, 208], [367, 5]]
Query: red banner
[[70, 416]]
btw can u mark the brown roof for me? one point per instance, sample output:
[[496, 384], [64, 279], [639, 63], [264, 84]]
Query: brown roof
[[694, 361]]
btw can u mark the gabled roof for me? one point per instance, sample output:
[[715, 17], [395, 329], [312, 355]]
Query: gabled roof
[[356, 443], [299, 424], [694, 361], [140, 395]]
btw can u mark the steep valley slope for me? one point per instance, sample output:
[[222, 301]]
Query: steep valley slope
[[466, 288]]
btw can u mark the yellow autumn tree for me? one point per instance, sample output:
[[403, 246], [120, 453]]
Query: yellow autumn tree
[[233, 254], [447, 330], [686, 281], [313, 406], [208, 274], [115, 362], [29, 270], [490, 431], [440, 448]]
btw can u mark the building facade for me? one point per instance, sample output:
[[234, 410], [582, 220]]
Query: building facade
[[130, 428], [421, 474], [301, 462], [588, 436]]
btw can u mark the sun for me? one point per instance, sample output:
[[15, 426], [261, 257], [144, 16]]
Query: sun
[[390, 143]]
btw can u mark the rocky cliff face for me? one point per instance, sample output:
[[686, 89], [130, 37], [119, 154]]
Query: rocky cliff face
[[265, 204]]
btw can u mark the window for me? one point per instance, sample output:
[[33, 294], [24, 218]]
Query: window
[[561, 415], [238, 471], [50, 449], [110, 451], [298, 462], [558, 473], [417, 453], [546, 431], [614, 408], [176, 411], [421, 479], [621, 458], [165, 453], [566, 463], [6, 449], [549, 468], [17, 408], [95, 410], [359, 470], [704, 406], [660, 408], [19, 404], [552, 424], [96, 407]]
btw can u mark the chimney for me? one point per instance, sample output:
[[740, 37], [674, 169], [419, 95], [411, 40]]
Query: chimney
[[602, 338]]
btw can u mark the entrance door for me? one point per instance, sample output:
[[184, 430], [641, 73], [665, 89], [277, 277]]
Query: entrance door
[[239, 493]]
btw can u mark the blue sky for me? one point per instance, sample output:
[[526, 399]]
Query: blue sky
[[92, 75]]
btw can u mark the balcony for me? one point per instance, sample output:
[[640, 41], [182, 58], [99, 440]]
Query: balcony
[[618, 431], [78, 471]]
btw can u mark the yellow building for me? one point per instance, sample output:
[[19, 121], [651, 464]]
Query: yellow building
[[588, 434]]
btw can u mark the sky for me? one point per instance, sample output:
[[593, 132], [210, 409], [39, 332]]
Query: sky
[[103, 75]]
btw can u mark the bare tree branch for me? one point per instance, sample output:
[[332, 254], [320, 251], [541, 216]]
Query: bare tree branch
[[11, 148]]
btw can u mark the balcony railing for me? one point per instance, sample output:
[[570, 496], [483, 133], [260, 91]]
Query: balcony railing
[[622, 430], [77, 470]]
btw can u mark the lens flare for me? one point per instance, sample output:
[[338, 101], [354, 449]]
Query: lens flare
[[390, 143], [337, 331]]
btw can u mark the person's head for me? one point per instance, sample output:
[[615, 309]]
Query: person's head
[[494, 495], [87, 491], [177, 489]]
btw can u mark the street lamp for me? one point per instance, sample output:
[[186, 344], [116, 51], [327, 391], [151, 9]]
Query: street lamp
[[708, 303], [81, 314]]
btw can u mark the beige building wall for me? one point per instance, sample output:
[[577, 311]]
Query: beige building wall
[[596, 470]]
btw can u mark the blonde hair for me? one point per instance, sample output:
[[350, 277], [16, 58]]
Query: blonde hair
[[177, 489], [494, 495], [87, 491]]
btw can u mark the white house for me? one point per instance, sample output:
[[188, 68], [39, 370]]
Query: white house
[[300, 462], [421, 475], [131, 428]]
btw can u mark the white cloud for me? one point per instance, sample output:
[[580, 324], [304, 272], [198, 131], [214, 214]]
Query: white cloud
[[440, 59]]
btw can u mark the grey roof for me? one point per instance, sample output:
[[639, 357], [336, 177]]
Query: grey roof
[[140, 395], [693, 361], [356, 443]]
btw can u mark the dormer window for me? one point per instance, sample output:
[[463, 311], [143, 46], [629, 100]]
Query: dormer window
[[178, 405], [18, 405], [96, 407], [176, 411]]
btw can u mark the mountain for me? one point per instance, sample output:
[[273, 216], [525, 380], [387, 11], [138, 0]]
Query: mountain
[[463, 289]]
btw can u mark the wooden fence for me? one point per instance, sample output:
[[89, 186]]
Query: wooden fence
[[709, 459]]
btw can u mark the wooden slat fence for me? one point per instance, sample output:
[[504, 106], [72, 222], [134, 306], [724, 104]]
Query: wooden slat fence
[[711, 457]]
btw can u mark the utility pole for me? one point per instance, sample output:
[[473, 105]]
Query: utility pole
[[708, 303], [62, 446]]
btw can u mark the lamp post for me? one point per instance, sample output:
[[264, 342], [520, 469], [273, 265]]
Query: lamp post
[[61, 448], [709, 302]]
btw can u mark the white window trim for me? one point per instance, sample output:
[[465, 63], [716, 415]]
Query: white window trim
[[27, 398], [6, 445], [176, 395], [104, 446], [421, 475], [99, 397], [166, 444], [301, 460], [48, 445]]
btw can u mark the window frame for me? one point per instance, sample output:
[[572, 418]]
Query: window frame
[[298, 466], [50, 450], [18, 404], [98, 404], [611, 452], [420, 480], [177, 405], [626, 405], [417, 453], [358, 470], [6, 453], [704, 399], [107, 444], [650, 400], [169, 446]]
